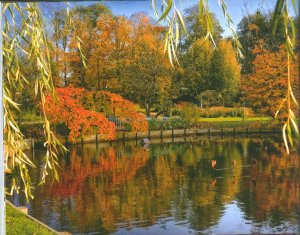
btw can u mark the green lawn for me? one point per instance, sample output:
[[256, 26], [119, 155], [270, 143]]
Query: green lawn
[[17, 223], [237, 122], [234, 119]]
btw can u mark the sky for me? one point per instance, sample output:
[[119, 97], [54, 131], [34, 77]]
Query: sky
[[236, 8]]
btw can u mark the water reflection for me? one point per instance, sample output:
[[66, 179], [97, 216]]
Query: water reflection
[[172, 189]]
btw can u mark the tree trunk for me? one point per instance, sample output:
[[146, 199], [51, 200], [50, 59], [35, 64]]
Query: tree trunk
[[147, 108], [98, 73], [65, 62]]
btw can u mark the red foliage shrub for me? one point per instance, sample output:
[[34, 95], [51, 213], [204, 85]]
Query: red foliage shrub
[[117, 106], [67, 108]]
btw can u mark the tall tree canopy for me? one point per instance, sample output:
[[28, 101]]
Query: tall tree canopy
[[197, 27], [207, 69], [252, 29], [267, 84]]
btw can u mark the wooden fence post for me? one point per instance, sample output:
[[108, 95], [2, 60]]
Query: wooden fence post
[[32, 143]]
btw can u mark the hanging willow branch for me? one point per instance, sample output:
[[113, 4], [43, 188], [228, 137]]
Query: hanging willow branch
[[290, 127], [30, 41], [173, 16]]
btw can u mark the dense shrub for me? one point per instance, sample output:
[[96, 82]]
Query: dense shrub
[[191, 112], [168, 124], [79, 112], [220, 111]]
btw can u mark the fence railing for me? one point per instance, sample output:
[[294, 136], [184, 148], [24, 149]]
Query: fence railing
[[174, 133], [119, 124]]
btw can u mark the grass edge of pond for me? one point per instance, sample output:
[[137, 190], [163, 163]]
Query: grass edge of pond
[[18, 223]]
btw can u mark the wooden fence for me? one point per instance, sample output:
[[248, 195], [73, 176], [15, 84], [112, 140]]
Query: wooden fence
[[161, 134]]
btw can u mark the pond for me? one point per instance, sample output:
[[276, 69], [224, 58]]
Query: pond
[[171, 188]]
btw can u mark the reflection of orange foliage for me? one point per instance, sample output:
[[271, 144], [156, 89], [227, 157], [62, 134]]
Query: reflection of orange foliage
[[117, 170], [282, 193]]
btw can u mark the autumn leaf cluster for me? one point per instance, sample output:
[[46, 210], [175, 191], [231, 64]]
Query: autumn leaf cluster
[[69, 108]]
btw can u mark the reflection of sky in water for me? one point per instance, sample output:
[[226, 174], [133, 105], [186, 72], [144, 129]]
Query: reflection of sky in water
[[231, 222]]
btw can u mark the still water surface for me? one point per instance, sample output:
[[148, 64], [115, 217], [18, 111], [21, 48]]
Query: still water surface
[[122, 188]]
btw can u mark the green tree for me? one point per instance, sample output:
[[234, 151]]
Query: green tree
[[252, 29], [225, 72], [91, 12], [207, 69], [196, 65], [197, 27]]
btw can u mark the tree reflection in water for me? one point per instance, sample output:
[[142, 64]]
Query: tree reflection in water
[[108, 188]]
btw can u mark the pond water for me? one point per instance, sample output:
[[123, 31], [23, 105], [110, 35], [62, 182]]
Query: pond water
[[171, 188]]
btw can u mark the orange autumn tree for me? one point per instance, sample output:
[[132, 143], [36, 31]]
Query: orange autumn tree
[[105, 49], [116, 106], [84, 112], [266, 86], [68, 109]]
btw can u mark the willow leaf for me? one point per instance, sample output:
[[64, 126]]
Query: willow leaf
[[277, 13], [166, 12]]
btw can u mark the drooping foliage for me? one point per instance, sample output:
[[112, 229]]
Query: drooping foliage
[[86, 112], [197, 28], [116, 106], [68, 109]]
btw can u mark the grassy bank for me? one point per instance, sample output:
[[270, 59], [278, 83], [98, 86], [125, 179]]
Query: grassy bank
[[218, 122], [235, 119], [231, 122], [17, 223]]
